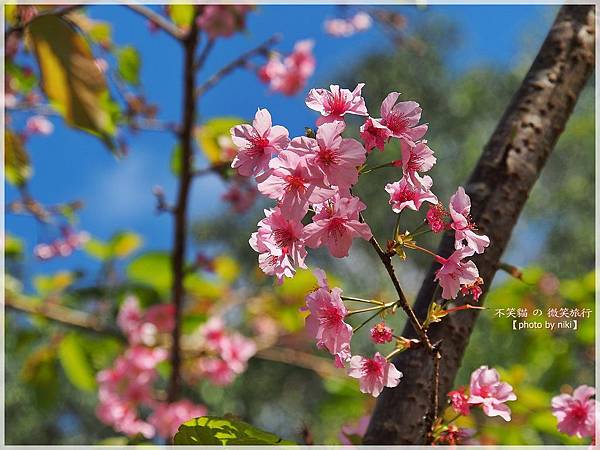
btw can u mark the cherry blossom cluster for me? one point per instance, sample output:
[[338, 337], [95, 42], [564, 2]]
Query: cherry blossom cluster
[[223, 20], [129, 386], [65, 245], [288, 74], [346, 27], [311, 179], [576, 412]]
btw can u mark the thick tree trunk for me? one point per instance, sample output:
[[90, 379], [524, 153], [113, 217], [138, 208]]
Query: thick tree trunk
[[499, 186]]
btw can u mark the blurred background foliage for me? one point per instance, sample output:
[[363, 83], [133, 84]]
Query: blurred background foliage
[[50, 369]]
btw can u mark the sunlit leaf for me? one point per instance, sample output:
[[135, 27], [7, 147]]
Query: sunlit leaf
[[16, 160], [71, 78], [75, 363], [222, 431], [98, 249], [176, 160], [226, 268], [153, 269], [13, 246], [52, 284], [182, 15], [124, 244], [129, 63], [100, 32], [209, 134]]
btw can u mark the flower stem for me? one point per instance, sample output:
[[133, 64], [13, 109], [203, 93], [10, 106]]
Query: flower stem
[[362, 300], [381, 307], [371, 169]]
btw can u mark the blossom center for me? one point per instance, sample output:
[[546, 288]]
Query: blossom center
[[371, 367], [396, 123], [295, 183], [328, 157]]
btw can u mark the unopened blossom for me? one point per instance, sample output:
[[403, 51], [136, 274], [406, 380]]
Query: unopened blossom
[[339, 27], [374, 373], [222, 20], [381, 333], [456, 272], [280, 242], [294, 184], [336, 224], [337, 159], [402, 119], [459, 401], [167, 417], [361, 21], [289, 75], [374, 134], [353, 431], [326, 322], [407, 193], [336, 103], [39, 125], [257, 143], [460, 212], [576, 413], [417, 159], [474, 289], [436, 218], [487, 390], [70, 241]]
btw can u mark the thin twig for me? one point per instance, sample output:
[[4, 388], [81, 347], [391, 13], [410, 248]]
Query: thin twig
[[180, 210], [240, 61], [321, 366], [61, 314], [204, 54], [54, 12], [158, 20]]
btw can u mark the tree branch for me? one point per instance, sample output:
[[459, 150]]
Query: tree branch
[[180, 209], [158, 20], [499, 186], [240, 61]]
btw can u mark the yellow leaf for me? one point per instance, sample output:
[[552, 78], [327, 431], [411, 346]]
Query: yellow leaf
[[214, 135], [226, 268], [71, 79]]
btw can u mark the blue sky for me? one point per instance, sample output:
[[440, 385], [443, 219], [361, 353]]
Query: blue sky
[[72, 165]]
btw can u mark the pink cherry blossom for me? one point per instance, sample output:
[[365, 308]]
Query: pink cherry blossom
[[167, 417], [280, 242], [374, 134], [336, 158], [339, 27], [361, 21], [487, 390], [326, 322], [402, 119], [241, 196], [216, 370], [407, 193], [355, 430], [222, 20], [381, 334], [130, 315], [374, 373], [454, 272], [336, 103], [123, 417], [236, 350], [143, 327], [336, 224], [257, 143], [460, 401], [293, 184], [288, 75], [39, 125], [417, 158], [436, 218], [576, 413], [213, 333], [460, 209]]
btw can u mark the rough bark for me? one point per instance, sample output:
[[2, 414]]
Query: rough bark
[[499, 186]]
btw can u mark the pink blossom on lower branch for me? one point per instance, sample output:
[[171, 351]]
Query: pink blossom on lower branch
[[455, 272], [576, 413], [487, 390], [326, 323], [407, 193], [460, 212], [374, 373], [168, 416], [257, 143], [336, 224]]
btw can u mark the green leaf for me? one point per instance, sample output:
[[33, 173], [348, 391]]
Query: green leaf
[[182, 15], [75, 363], [52, 284], [98, 249], [223, 431], [129, 63], [20, 80], [124, 244], [13, 246], [71, 78], [209, 134], [100, 32], [153, 269], [176, 160], [16, 160]]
